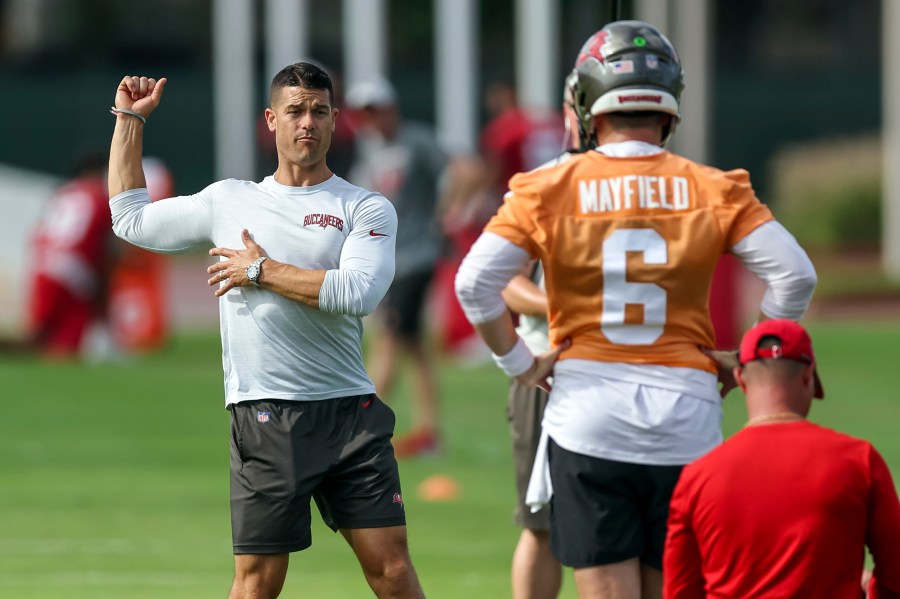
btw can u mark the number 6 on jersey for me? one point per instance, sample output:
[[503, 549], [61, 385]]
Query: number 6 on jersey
[[618, 291]]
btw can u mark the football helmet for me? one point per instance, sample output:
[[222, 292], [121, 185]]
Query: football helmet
[[585, 141], [627, 66]]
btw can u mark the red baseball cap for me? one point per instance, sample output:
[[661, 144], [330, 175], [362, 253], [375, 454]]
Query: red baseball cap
[[793, 344]]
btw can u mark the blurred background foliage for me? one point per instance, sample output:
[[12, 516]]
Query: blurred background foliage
[[829, 192], [783, 73], [795, 93]]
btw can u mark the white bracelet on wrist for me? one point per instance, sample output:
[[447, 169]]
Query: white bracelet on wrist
[[517, 360], [139, 117]]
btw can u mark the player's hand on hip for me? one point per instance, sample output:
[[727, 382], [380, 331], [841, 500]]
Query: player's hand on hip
[[140, 94], [726, 362], [232, 272], [541, 370]]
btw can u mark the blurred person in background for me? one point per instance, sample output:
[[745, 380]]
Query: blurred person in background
[[628, 235], [73, 252], [138, 311], [783, 508], [513, 140], [110, 299], [403, 161], [467, 203], [315, 254], [536, 573]]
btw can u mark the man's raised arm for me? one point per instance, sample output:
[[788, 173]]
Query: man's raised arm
[[136, 98]]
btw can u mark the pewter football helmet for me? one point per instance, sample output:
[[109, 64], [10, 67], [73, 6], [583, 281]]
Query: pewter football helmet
[[627, 66]]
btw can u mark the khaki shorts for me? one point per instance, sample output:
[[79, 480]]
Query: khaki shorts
[[336, 451], [525, 410]]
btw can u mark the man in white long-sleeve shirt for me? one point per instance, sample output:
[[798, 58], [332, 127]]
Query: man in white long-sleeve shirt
[[629, 236], [304, 255]]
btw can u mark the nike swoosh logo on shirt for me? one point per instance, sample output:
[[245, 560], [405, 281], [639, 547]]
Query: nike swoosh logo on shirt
[[372, 233]]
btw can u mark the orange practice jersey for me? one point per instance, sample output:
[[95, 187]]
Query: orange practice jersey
[[629, 246]]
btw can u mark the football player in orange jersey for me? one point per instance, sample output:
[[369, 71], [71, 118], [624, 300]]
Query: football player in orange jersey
[[629, 236]]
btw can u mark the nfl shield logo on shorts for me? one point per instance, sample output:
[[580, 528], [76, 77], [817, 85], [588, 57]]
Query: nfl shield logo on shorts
[[263, 416]]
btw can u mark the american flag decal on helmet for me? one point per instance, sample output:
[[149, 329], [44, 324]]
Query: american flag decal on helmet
[[622, 67]]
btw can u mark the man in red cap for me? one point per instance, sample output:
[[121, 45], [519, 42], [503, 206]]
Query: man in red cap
[[784, 508]]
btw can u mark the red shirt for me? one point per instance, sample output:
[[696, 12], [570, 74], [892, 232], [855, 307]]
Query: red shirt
[[71, 244], [783, 510], [70, 256], [517, 141]]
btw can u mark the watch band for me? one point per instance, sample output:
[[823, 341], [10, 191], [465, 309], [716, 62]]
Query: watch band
[[256, 268]]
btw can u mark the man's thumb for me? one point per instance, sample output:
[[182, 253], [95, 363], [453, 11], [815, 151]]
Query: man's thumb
[[566, 344], [156, 94]]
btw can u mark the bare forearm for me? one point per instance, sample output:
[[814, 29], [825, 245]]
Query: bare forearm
[[499, 334], [125, 153], [524, 297], [297, 284], [136, 98]]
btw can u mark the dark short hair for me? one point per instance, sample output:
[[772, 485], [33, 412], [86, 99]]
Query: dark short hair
[[302, 74]]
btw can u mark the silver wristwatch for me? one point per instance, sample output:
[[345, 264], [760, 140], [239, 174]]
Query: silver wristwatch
[[255, 269]]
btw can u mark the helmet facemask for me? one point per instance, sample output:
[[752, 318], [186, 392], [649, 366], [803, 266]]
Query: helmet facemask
[[585, 131]]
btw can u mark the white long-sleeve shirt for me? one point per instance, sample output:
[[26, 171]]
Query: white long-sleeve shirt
[[273, 347]]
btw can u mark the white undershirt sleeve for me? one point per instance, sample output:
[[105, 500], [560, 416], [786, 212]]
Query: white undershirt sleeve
[[167, 226], [484, 273], [771, 253], [367, 261]]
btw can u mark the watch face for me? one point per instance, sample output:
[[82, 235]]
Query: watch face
[[254, 270]]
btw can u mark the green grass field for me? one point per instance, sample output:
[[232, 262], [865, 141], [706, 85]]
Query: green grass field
[[114, 477]]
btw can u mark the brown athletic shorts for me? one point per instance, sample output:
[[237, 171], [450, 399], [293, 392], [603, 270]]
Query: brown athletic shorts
[[525, 409], [337, 451]]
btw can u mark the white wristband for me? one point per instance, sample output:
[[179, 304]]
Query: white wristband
[[517, 360]]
